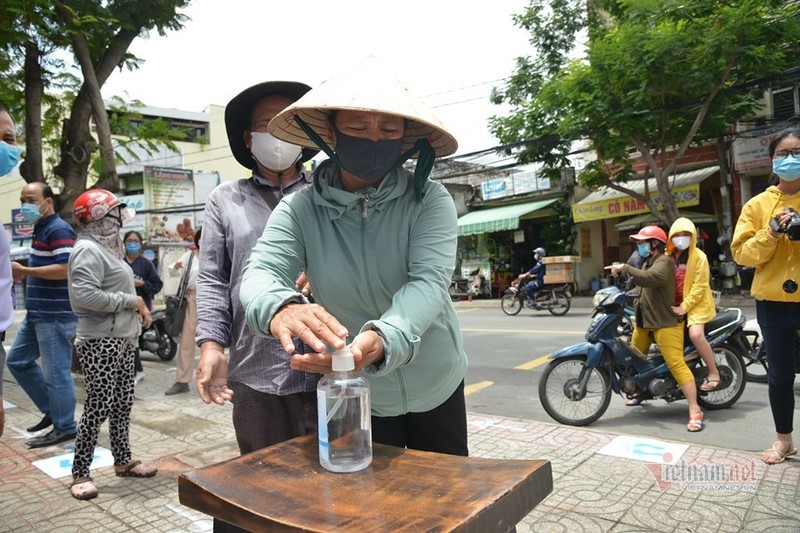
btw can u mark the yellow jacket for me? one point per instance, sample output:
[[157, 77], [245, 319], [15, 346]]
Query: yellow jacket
[[775, 260], [697, 298]]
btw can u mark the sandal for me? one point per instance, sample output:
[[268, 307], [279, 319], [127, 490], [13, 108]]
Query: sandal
[[696, 424], [83, 488], [777, 455], [709, 385], [135, 469], [633, 401]]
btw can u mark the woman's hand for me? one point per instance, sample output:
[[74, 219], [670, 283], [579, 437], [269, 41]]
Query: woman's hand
[[143, 313], [312, 323], [678, 310], [782, 218]]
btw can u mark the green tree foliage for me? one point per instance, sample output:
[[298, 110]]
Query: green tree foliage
[[654, 75], [558, 238], [55, 57]]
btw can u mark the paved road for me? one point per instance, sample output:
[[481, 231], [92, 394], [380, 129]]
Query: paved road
[[507, 356]]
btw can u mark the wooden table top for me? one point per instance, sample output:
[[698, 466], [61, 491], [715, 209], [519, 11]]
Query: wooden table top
[[284, 488]]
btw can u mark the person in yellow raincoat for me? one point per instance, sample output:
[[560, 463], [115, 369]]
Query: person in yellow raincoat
[[693, 298], [776, 258]]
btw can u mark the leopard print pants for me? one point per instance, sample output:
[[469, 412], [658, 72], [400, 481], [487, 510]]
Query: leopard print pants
[[108, 371]]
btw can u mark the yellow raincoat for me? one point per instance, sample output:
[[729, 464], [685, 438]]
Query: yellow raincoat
[[697, 298], [776, 260]]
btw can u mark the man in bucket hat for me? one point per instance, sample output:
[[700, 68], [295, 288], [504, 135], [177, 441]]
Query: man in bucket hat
[[271, 402], [378, 244]]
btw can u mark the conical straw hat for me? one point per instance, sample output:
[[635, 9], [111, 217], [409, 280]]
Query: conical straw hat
[[365, 87]]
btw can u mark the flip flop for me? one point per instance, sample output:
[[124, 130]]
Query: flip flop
[[779, 455], [696, 424], [136, 469], [633, 401], [709, 385], [83, 488]]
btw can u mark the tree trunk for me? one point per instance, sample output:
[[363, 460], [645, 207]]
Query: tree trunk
[[32, 167]]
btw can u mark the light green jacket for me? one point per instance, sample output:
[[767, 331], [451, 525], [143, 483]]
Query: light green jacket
[[377, 259]]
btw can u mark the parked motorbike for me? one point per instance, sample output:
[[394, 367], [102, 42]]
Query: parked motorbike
[[156, 340], [474, 285], [756, 364], [554, 298], [575, 388]]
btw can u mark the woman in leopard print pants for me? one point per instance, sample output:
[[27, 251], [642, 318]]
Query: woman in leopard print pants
[[102, 294]]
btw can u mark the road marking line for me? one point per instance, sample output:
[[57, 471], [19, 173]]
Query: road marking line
[[533, 364], [472, 310], [475, 387], [551, 331]]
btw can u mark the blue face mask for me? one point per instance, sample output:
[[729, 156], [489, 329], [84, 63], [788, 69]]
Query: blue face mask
[[30, 212], [367, 160], [133, 248], [643, 249], [788, 168], [9, 156]]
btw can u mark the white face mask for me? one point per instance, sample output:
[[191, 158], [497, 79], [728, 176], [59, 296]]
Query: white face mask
[[681, 242], [273, 153]]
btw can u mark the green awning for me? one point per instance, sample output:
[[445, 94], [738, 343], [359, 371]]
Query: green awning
[[649, 218], [500, 218]]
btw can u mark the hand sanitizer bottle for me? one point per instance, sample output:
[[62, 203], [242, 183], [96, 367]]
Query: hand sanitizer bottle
[[345, 424]]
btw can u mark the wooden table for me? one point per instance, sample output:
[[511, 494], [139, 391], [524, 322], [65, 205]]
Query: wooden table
[[284, 488]]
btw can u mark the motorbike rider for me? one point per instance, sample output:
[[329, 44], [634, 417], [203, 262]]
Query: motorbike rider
[[654, 316], [535, 276]]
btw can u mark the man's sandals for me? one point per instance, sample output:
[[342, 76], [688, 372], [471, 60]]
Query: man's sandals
[[778, 453]]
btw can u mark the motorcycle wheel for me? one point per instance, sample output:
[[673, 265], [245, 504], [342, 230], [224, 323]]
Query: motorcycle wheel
[[756, 362], [561, 305], [511, 304], [167, 353], [454, 295], [729, 362], [559, 382]]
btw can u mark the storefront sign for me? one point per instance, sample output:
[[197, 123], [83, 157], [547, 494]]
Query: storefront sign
[[519, 237], [496, 188], [586, 241], [169, 189], [752, 152], [626, 206]]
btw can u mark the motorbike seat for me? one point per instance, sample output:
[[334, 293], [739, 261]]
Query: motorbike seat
[[725, 316]]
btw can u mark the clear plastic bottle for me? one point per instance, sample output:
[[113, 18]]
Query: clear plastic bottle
[[345, 426]]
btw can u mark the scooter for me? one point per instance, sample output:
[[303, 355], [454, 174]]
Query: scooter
[[756, 364], [556, 299], [475, 285], [575, 388], [155, 338]]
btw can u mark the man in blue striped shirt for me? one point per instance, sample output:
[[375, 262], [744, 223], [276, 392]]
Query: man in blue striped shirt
[[49, 325]]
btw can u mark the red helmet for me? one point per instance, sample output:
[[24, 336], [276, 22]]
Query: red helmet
[[94, 204], [650, 232]]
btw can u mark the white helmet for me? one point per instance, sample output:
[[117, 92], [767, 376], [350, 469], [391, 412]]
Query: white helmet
[[539, 251]]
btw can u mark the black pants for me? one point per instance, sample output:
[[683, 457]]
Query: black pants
[[779, 322], [442, 429], [262, 419]]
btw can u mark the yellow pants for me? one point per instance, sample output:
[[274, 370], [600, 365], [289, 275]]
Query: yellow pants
[[670, 342]]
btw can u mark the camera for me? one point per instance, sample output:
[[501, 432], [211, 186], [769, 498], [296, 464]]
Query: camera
[[791, 228]]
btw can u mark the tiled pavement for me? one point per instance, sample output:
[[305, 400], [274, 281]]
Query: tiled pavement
[[592, 492]]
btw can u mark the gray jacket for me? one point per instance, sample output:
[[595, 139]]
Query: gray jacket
[[101, 292]]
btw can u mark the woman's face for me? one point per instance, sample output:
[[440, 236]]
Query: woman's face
[[369, 125]]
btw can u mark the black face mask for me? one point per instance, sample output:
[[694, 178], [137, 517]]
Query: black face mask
[[369, 161]]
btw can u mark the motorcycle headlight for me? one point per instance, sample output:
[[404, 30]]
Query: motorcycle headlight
[[597, 301]]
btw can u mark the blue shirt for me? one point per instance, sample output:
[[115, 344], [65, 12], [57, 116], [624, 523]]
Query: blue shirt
[[45, 299]]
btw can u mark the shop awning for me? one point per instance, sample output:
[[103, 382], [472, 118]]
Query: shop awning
[[610, 203], [649, 218], [500, 218]]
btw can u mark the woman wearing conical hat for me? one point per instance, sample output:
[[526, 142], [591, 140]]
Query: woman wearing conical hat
[[378, 243]]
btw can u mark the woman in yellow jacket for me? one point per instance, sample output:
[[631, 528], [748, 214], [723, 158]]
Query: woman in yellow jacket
[[693, 296], [776, 258]]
